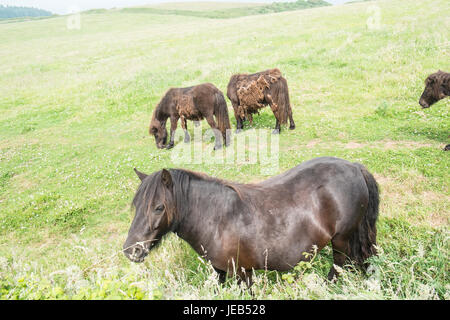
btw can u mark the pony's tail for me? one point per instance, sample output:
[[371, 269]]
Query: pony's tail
[[364, 239], [287, 102], [280, 95], [221, 113]]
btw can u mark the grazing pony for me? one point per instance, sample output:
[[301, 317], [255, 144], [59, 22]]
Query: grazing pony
[[267, 225], [251, 92], [437, 87], [192, 103]]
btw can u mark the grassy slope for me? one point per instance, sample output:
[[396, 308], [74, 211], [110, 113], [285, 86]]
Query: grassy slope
[[204, 5], [75, 107], [221, 11]]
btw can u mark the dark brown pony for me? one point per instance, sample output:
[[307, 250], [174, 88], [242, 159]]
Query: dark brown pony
[[437, 87], [195, 103], [251, 92], [268, 225]]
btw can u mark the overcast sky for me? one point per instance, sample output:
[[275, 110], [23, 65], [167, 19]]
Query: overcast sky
[[67, 6]]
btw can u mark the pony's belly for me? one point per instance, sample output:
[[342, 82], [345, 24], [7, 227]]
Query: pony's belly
[[195, 117], [284, 261], [293, 248]]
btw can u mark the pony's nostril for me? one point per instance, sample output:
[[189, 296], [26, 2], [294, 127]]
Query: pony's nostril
[[136, 252]]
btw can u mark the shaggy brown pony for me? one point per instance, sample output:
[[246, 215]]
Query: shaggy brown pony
[[251, 92], [437, 87], [195, 103]]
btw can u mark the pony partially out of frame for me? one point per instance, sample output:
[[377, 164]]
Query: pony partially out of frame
[[267, 225], [195, 103], [437, 87]]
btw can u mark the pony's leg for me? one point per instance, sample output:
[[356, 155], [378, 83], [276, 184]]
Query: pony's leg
[[274, 108], [217, 134], [239, 122], [187, 138], [340, 254], [273, 105], [291, 120], [222, 275], [250, 119], [246, 276], [173, 127], [277, 129]]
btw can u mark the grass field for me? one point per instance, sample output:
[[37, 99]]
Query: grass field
[[204, 5], [224, 10], [75, 107]]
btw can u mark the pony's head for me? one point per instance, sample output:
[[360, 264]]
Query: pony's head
[[155, 211], [159, 131], [437, 87]]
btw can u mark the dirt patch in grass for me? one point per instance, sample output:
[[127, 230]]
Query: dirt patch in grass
[[400, 199], [437, 218], [354, 145], [390, 144], [22, 182], [17, 141], [382, 144], [313, 143]]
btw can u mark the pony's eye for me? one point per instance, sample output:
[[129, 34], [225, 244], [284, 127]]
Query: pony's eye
[[159, 208]]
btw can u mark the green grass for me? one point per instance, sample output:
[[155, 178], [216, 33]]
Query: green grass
[[204, 5], [75, 108]]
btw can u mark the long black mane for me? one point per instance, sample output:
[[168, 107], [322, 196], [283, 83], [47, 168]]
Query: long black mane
[[182, 180]]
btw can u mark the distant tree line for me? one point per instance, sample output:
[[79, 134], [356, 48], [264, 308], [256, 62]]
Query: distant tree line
[[18, 12]]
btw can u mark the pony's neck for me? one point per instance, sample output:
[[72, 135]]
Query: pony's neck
[[206, 203], [160, 115]]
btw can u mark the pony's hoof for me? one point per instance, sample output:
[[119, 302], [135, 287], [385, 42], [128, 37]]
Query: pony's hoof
[[238, 130], [276, 131], [447, 147], [187, 140], [217, 147], [292, 127], [170, 146]]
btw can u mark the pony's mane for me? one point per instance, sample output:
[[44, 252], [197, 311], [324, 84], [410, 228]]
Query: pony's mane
[[181, 182], [440, 77], [235, 186], [181, 179], [201, 176], [161, 106]]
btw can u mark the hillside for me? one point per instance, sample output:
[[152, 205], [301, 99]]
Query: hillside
[[227, 10], [204, 5], [76, 104]]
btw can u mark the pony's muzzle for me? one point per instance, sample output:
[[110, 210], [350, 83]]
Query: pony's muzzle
[[423, 103], [136, 253]]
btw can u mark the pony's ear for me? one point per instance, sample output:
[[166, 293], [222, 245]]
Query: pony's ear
[[166, 178], [141, 175], [430, 80]]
